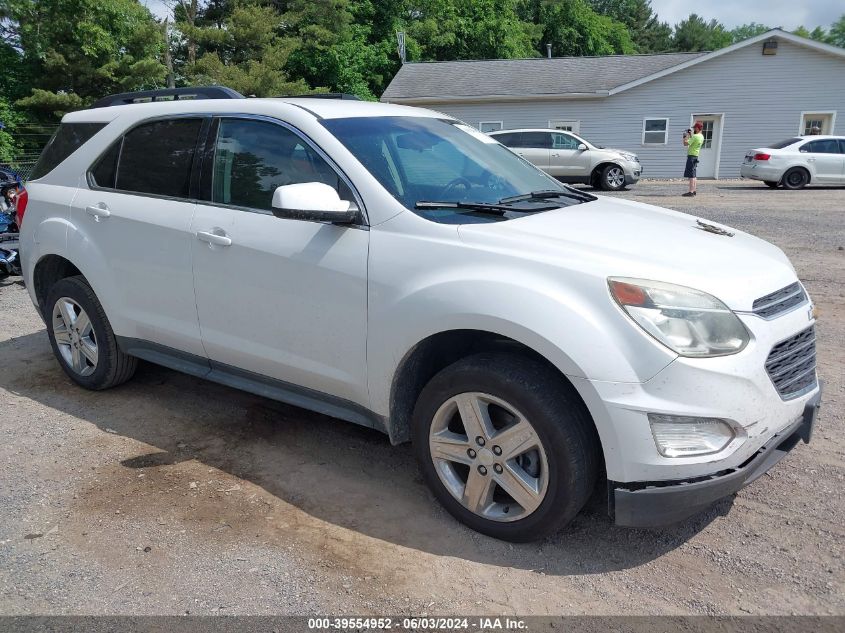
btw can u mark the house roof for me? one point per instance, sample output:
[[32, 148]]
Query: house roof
[[521, 78], [558, 77]]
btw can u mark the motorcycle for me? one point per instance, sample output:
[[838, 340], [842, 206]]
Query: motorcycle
[[10, 186]]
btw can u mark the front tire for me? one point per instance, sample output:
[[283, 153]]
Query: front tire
[[612, 178], [82, 337], [505, 445], [796, 178]]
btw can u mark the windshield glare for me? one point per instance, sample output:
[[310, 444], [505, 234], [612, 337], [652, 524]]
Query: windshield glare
[[424, 159]]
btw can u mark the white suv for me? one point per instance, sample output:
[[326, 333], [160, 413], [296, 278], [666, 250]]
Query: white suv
[[571, 158], [398, 269]]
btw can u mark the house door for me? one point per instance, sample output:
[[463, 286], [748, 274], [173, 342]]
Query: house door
[[708, 160]]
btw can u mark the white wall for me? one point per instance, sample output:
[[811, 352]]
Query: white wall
[[762, 98]]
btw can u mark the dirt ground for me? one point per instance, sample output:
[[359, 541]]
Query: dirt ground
[[170, 495]]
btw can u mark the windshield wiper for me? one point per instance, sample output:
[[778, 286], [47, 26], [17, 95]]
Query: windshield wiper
[[546, 194], [495, 208]]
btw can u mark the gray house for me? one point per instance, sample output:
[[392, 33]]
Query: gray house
[[756, 92]]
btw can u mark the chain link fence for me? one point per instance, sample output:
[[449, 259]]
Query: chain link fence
[[31, 139]]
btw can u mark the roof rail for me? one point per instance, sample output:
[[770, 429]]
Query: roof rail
[[322, 95], [168, 94]]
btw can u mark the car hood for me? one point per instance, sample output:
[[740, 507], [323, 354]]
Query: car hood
[[614, 150], [621, 238]]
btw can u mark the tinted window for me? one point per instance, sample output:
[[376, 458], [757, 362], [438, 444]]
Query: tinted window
[[252, 158], [824, 146], [842, 146], [157, 157], [67, 139], [510, 139], [104, 171], [564, 141], [542, 140], [782, 144]]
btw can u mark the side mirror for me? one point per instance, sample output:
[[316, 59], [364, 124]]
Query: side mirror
[[313, 201], [582, 147]]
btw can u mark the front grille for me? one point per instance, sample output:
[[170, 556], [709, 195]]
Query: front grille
[[779, 301], [792, 364]]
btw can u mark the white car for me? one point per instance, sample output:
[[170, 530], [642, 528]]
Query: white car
[[571, 158], [798, 162], [398, 269]]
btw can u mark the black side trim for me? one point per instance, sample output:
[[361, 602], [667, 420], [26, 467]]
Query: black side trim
[[252, 382], [644, 504]]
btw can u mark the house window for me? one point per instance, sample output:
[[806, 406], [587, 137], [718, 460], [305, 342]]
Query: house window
[[490, 126], [566, 126], [816, 123], [707, 133], [655, 131]]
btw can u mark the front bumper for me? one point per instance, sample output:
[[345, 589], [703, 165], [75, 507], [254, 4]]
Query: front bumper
[[664, 502], [633, 172]]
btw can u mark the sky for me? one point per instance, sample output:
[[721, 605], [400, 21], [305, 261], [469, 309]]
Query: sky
[[788, 14]]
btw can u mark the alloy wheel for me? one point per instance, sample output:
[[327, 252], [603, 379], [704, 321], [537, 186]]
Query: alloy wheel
[[489, 456], [75, 336], [615, 177]]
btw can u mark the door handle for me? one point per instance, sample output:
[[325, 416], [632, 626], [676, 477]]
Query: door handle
[[811, 160], [98, 211], [214, 238]]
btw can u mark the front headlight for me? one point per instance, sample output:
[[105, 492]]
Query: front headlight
[[687, 321], [631, 158]]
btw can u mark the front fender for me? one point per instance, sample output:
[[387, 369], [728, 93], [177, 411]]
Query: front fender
[[556, 321]]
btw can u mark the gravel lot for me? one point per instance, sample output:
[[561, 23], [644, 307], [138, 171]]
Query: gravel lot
[[173, 495]]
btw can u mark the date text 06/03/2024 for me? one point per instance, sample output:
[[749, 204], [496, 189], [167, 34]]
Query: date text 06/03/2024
[[417, 624]]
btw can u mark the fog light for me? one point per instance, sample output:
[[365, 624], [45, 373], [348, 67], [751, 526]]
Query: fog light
[[686, 436]]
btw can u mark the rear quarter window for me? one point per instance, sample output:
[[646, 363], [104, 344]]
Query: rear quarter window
[[67, 139], [782, 144]]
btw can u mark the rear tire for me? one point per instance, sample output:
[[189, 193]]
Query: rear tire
[[548, 444], [796, 178], [82, 337], [612, 178], [772, 183]]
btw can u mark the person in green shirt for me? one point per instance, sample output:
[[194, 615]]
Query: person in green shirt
[[693, 143]]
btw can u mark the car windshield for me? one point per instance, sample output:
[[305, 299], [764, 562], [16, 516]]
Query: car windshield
[[422, 160], [782, 144]]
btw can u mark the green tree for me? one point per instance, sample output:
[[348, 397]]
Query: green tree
[[572, 27], [245, 52], [836, 36], [11, 119], [316, 28], [650, 35], [469, 29], [746, 31], [696, 34], [74, 51]]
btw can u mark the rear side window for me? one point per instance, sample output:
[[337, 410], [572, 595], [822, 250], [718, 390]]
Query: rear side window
[[509, 139], [67, 139], [824, 146], [156, 158], [541, 140]]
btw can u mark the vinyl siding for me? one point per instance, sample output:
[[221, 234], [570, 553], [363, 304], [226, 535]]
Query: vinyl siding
[[761, 97]]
